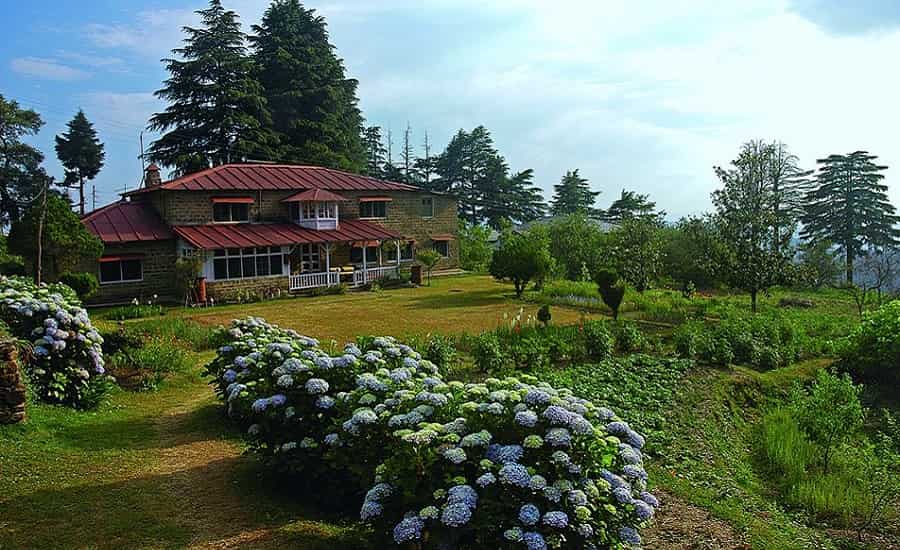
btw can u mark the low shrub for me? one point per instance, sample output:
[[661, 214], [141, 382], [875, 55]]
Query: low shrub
[[134, 310], [440, 350], [84, 284], [599, 341], [144, 365], [449, 465], [629, 338], [872, 351], [487, 353], [66, 364]]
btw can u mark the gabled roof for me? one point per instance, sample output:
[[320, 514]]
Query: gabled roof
[[214, 236], [315, 195], [126, 222], [287, 177]]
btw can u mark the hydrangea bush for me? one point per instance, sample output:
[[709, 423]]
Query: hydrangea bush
[[66, 363], [509, 463]]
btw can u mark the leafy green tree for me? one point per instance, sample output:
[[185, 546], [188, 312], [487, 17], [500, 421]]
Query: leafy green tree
[[754, 256], [428, 258], [514, 198], [20, 164], [631, 205], [217, 112], [521, 258], [689, 249], [637, 245], [81, 153], [313, 104], [65, 243], [819, 264], [573, 195], [878, 473], [849, 207], [789, 184], [577, 244], [474, 247], [829, 412]]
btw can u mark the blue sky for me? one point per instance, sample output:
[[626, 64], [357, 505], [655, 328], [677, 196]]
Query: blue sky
[[636, 94]]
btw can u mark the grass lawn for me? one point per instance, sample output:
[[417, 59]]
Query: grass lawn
[[470, 303]]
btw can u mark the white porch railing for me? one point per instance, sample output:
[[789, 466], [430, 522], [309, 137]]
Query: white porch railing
[[365, 276], [314, 280]]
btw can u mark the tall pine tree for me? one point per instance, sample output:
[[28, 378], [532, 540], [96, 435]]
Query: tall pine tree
[[217, 113], [314, 106], [631, 205], [573, 195], [81, 153], [849, 207]]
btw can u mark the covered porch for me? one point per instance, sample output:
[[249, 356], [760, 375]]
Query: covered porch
[[357, 253]]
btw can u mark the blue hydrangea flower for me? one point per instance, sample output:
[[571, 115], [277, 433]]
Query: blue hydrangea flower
[[557, 415], [534, 541], [556, 519], [537, 483], [260, 405], [456, 515], [633, 471], [332, 439], [642, 510], [229, 376], [379, 491], [316, 386], [370, 509], [324, 402], [503, 454], [529, 514], [629, 535], [515, 474], [278, 400], [455, 455], [558, 437], [552, 494], [526, 418], [477, 439], [409, 528], [649, 499], [535, 396], [464, 494], [577, 498], [486, 479], [622, 495]]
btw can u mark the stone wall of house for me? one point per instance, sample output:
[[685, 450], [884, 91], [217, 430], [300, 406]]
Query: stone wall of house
[[12, 390], [239, 290], [159, 273], [404, 213]]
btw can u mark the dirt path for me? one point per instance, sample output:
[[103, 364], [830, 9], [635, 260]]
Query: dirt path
[[682, 526]]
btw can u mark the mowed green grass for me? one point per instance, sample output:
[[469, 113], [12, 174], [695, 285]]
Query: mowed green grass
[[163, 470], [451, 305]]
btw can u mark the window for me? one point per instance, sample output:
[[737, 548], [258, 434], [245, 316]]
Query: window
[[373, 209], [371, 255], [311, 210], [426, 210], [406, 252], [245, 263], [309, 258], [229, 212], [442, 248], [121, 271]]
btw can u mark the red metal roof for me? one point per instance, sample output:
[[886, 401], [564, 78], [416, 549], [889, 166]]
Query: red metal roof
[[315, 195], [213, 236], [125, 222], [277, 177]]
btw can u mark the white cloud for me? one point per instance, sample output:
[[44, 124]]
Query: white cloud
[[89, 60], [46, 69], [122, 110]]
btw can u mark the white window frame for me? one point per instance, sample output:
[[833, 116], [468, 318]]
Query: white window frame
[[140, 262], [241, 254], [434, 246]]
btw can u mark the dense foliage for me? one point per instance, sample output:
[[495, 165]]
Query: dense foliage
[[521, 259], [507, 463], [474, 247], [21, 175], [765, 342], [66, 363], [573, 195], [81, 154], [872, 351]]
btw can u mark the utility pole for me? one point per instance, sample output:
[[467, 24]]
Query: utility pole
[[93, 197], [40, 233]]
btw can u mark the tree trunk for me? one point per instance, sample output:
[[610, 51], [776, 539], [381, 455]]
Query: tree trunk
[[81, 194], [753, 294], [849, 257], [40, 236]]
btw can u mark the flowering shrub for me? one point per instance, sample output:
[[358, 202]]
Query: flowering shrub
[[512, 463], [66, 364]]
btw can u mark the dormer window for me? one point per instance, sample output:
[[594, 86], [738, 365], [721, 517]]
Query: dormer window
[[231, 209], [314, 209]]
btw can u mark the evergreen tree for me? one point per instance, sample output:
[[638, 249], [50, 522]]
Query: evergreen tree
[[21, 176], [375, 151], [424, 166], [750, 256], [573, 195], [789, 184], [313, 104], [631, 205], [217, 113], [81, 153], [849, 207], [407, 158]]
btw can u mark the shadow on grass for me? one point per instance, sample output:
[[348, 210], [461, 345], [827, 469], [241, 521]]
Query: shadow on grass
[[224, 503], [450, 298]]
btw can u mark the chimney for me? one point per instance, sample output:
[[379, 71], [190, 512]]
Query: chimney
[[151, 176]]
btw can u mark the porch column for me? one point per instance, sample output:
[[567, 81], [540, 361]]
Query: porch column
[[328, 257], [398, 255], [380, 263], [365, 268]]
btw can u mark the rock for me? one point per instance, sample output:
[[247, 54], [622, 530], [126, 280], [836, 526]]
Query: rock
[[12, 390]]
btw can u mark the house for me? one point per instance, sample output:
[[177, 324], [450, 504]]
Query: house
[[266, 228]]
